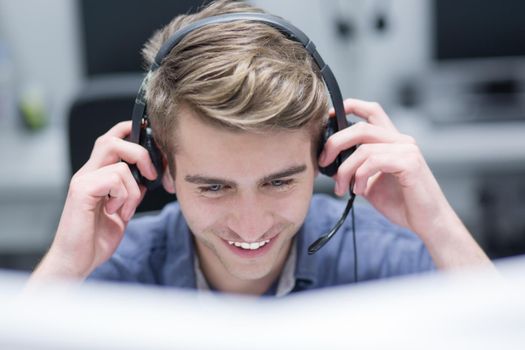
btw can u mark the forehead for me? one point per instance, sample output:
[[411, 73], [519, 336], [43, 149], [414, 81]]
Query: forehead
[[211, 150]]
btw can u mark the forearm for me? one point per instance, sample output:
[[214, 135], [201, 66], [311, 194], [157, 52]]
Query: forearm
[[450, 244], [54, 267]]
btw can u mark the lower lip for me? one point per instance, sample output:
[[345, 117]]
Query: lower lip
[[249, 253]]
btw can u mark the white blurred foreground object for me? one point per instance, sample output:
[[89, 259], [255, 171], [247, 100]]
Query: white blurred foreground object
[[472, 310]]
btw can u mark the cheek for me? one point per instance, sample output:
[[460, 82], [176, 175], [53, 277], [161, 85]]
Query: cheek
[[198, 215], [295, 207]]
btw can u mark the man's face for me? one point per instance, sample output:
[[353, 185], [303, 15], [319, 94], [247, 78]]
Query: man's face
[[244, 195]]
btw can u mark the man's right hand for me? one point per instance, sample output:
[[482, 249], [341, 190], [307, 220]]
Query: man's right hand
[[102, 198]]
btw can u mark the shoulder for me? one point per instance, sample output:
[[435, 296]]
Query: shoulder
[[326, 210], [142, 251], [383, 249], [149, 232]]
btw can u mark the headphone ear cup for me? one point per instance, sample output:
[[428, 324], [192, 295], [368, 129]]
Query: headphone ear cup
[[331, 128], [146, 140]]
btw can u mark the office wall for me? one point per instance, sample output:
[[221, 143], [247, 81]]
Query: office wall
[[370, 63], [42, 39]]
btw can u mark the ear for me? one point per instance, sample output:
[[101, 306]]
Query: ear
[[167, 178]]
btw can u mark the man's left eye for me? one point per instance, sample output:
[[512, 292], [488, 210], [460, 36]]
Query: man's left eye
[[280, 183], [214, 188]]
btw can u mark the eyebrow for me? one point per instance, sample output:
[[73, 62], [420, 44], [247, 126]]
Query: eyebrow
[[205, 180]]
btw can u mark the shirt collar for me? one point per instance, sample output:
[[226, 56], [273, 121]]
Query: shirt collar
[[305, 270], [178, 270]]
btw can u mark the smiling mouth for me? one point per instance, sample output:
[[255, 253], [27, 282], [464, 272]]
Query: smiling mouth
[[249, 246]]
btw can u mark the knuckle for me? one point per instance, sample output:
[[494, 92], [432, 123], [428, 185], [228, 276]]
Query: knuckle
[[114, 179], [363, 150], [363, 129], [414, 157], [76, 186], [410, 140], [106, 141], [134, 194], [122, 170], [330, 143], [122, 167], [360, 126], [414, 149], [376, 106], [122, 123], [101, 140], [412, 164], [143, 154], [75, 181], [373, 159], [360, 175], [97, 144]]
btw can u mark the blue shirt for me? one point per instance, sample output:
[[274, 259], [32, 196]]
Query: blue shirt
[[159, 250]]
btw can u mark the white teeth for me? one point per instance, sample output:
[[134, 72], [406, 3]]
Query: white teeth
[[249, 246]]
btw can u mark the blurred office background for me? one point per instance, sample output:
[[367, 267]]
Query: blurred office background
[[450, 73]]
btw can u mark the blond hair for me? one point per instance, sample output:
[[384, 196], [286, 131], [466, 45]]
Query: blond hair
[[241, 75]]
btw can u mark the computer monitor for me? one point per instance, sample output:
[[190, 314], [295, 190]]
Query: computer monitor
[[473, 29], [478, 60], [465, 310], [114, 32]]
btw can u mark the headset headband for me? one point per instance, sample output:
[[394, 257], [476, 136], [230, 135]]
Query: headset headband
[[280, 24]]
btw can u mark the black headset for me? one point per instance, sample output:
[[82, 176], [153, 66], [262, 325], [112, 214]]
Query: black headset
[[141, 132]]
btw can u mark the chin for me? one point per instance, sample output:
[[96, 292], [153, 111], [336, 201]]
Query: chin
[[250, 273]]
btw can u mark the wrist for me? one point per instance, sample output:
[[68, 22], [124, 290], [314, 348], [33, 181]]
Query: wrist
[[450, 243], [443, 226], [58, 266]]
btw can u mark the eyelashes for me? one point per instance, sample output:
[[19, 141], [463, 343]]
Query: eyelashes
[[217, 189]]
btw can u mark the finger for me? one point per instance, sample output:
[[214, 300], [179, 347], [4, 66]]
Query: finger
[[135, 194], [116, 196], [109, 149], [129, 198], [347, 169], [130, 214], [358, 133], [372, 112], [380, 163], [113, 184], [120, 130], [391, 156]]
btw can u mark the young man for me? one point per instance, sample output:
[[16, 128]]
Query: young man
[[237, 110]]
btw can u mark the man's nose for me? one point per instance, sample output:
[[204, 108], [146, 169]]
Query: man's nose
[[250, 218]]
